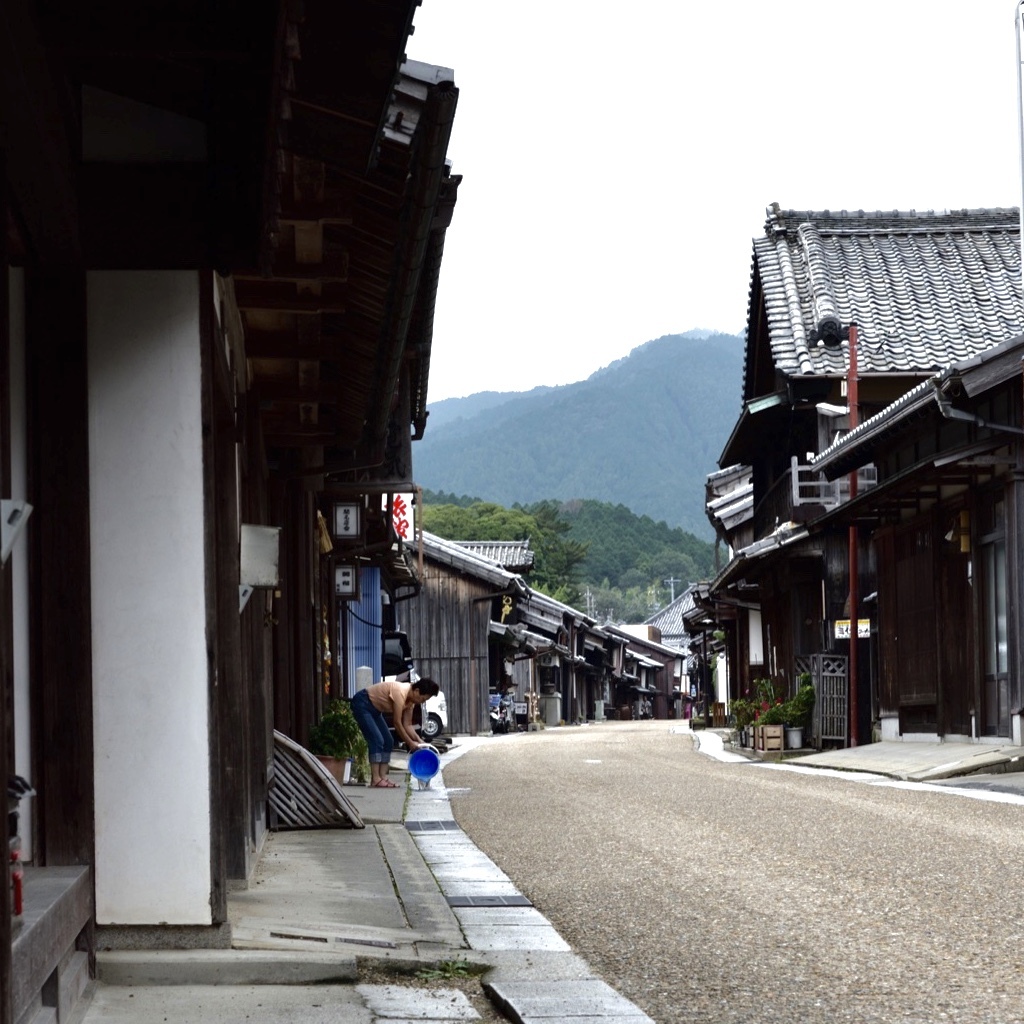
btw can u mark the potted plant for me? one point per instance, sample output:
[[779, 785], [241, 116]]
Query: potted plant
[[768, 732], [339, 743], [798, 711], [744, 712], [770, 724]]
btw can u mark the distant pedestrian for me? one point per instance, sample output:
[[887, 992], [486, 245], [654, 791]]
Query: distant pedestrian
[[373, 706]]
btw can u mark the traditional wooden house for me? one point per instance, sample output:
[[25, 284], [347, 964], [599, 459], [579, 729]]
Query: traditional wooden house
[[222, 232], [947, 519], [848, 312], [574, 677], [477, 629], [461, 629], [653, 676]]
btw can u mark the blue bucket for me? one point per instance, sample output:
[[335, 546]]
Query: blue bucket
[[424, 764]]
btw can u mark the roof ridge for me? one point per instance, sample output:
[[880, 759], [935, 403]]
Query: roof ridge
[[826, 309], [779, 220]]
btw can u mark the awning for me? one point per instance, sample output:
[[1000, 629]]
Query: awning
[[752, 555]]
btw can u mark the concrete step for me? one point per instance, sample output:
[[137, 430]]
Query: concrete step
[[224, 967]]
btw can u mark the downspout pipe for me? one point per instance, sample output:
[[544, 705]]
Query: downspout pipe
[[949, 412], [1018, 29], [853, 398]]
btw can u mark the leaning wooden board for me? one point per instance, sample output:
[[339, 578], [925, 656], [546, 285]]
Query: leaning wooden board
[[303, 794]]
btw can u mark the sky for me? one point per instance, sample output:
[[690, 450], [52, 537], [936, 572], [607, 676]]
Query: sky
[[617, 159]]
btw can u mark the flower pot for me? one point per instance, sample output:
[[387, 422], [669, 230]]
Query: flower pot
[[794, 737], [339, 767], [768, 737]]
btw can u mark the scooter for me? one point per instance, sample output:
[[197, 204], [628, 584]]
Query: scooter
[[499, 713]]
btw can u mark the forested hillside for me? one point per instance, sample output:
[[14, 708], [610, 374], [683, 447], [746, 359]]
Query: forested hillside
[[643, 432], [597, 557]]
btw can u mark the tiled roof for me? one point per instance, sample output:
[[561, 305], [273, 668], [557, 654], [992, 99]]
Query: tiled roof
[[512, 554], [670, 618], [925, 289], [649, 645], [451, 553]]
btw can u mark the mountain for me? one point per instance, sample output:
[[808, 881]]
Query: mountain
[[643, 432]]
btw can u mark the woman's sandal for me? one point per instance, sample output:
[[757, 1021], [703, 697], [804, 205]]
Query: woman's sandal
[[385, 784]]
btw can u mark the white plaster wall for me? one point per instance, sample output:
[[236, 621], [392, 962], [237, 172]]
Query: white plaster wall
[[19, 557], [150, 683], [755, 637]]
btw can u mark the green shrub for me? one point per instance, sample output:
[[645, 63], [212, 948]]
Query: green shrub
[[337, 734]]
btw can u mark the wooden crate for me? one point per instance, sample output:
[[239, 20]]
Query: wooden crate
[[769, 737]]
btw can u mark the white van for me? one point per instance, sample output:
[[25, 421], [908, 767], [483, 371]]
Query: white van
[[398, 667]]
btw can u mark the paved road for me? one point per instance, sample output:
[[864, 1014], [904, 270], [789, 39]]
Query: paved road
[[717, 892]]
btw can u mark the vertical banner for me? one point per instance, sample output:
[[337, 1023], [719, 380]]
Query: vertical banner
[[403, 520]]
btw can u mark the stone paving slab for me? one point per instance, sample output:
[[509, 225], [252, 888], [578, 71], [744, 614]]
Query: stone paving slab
[[397, 1001], [572, 1001], [457, 887], [508, 917], [468, 873], [537, 938]]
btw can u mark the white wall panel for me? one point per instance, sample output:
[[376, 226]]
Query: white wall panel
[[150, 681], [19, 556]]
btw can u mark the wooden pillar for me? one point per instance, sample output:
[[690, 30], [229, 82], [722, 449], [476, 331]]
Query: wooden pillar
[[6, 645], [1014, 588], [61, 618]]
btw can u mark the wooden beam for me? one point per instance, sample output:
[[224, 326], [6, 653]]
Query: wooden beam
[[286, 345], [331, 210], [252, 296], [286, 269], [275, 391]]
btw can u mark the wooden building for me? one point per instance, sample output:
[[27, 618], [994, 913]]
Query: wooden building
[[458, 628], [223, 227], [947, 520], [478, 629], [653, 676], [835, 335]]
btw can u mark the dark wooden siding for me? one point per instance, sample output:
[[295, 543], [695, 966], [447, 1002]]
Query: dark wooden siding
[[447, 627], [61, 619], [957, 648], [888, 689]]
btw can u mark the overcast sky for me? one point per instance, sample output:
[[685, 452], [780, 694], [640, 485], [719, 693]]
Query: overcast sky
[[618, 158]]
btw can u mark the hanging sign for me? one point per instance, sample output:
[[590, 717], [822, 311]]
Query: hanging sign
[[843, 629], [346, 520], [402, 515], [346, 582]]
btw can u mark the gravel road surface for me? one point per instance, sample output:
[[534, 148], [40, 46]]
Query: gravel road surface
[[707, 891]]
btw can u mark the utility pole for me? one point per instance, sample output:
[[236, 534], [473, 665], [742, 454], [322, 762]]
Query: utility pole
[[671, 582]]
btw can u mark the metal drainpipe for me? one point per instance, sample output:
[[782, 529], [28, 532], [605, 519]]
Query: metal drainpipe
[[1017, 29], [852, 397]]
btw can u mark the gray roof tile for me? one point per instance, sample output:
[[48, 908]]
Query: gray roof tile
[[514, 555], [925, 289]]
